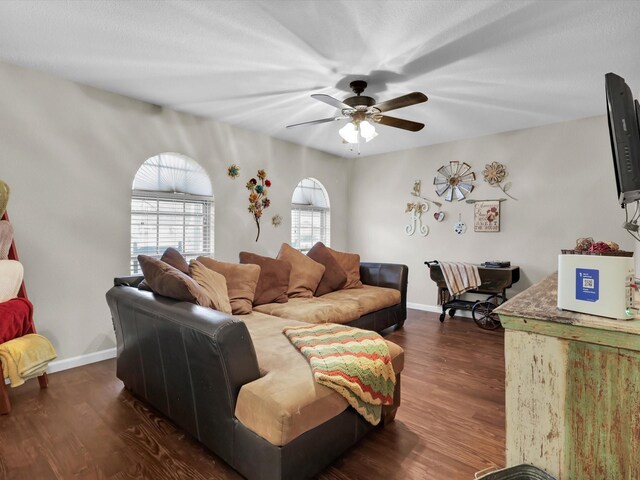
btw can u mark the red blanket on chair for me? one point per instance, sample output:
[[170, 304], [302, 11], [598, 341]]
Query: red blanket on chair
[[16, 319]]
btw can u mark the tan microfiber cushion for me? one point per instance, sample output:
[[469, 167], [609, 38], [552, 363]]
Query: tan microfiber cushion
[[350, 263], [369, 298], [213, 284], [168, 281], [11, 274], [305, 272], [285, 401], [314, 310], [242, 281], [274, 278], [6, 236], [334, 277], [174, 258]]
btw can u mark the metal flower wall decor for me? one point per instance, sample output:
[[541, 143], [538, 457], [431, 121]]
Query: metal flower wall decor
[[494, 174], [233, 170], [258, 200], [453, 181]]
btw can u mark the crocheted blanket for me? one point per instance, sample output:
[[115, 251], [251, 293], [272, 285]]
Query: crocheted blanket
[[353, 362]]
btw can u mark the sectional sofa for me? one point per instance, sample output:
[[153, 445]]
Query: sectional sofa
[[238, 385]]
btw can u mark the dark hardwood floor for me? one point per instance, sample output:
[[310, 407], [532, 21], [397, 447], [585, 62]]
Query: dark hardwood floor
[[449, 426]]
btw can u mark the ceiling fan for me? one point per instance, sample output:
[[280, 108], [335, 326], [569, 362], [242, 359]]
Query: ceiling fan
[[363, 110]]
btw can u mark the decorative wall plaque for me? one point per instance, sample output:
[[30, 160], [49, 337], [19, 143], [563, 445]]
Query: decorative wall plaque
[[486, 216]]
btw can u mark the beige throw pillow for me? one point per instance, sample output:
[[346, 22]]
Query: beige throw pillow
[[350, 263], [305, 272], [241, 282], [213, 284]]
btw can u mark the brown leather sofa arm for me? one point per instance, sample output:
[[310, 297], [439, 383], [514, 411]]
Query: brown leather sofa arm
[[187, 361], [389, 275]]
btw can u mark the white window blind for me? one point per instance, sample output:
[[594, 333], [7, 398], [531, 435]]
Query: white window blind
[[160, 220], [310, 215], [308, 226]]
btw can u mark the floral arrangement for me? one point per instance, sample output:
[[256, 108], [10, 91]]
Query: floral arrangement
[[494, 174], [258, 200]]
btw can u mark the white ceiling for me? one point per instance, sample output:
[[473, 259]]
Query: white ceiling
[[486, 66]]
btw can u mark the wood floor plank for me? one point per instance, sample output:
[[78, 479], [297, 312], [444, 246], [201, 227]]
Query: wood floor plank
[[450, 425]]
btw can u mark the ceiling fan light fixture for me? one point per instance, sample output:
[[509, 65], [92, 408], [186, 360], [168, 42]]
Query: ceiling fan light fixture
[[367, 131], [349, 133]]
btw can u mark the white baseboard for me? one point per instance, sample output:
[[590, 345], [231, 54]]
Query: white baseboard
[[73, 362], [424, 307], [436, 309]]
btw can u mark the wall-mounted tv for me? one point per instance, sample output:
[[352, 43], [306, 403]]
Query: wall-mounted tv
[[625, 137]]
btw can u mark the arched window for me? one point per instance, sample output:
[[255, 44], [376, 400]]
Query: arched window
[[171, 206], [310, 215]]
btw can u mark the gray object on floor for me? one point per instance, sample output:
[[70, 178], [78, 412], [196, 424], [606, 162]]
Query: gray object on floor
[[519, 472]]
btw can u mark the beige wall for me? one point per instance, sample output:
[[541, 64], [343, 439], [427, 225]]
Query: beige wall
[[562, 175], [70, 153]]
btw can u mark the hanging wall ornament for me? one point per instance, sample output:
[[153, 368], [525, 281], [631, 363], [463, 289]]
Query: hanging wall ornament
[[416, 209], [494, 174], [276, 220], [453, 181], [460, 227]]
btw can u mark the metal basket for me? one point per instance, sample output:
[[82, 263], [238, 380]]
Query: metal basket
[[519, 472]]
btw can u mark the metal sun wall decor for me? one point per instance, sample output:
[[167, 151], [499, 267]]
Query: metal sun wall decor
[[453, 181], [494, 174]]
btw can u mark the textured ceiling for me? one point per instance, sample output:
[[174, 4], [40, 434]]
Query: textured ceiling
[[486, 66]]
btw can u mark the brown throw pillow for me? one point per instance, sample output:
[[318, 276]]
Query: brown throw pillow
[[174, 258], [213, 284], [334, 277], [241, 282], [305, 272], [171, 282], [350, 263], [274, 278]]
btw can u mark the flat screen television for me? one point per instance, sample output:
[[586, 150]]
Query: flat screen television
[[622, 113]]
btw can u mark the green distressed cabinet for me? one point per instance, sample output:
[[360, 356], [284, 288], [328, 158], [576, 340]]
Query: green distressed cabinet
[[572, 389]]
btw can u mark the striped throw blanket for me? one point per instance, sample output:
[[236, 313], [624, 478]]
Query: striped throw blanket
[[353, 362], [460, 277]]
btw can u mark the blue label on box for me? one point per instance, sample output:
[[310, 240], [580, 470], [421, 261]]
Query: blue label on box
[[587, 284]]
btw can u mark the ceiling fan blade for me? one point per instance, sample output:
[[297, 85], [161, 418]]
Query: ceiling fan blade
[[334, 102], [398, 123], [312, 122], [401, 102]]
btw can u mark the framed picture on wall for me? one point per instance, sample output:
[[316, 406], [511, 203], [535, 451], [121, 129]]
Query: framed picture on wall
[[486, 216]]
